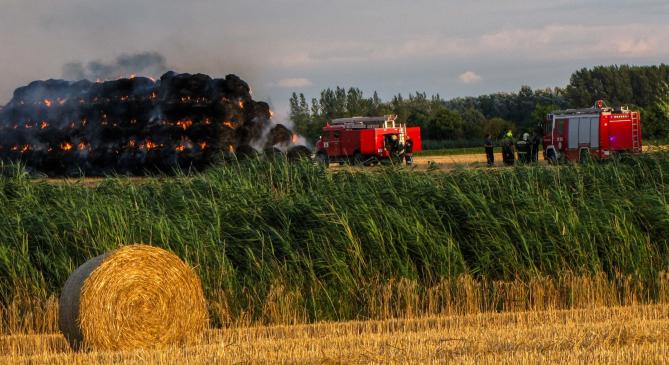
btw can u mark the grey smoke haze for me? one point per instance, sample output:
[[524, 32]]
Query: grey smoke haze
[[151, 64], [453, 48]]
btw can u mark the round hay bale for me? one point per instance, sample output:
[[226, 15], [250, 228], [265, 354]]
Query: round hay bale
[[135, 297]]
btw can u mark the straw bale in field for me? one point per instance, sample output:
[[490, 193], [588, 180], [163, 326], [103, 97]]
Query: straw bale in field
[[135, 297]]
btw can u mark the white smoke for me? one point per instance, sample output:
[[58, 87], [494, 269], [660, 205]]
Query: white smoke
[[150, 64]]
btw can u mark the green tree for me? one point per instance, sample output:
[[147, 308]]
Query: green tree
[[445, 124], [541, 112], [474, 122], [656, 119], [497, 126]]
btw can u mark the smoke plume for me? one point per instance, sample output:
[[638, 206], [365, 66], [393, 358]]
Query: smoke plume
[[147, 63]]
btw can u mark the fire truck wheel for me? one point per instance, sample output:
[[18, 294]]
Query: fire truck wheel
[[322, 159]]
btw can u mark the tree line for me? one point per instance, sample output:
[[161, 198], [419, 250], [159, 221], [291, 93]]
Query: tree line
[[468, 119]]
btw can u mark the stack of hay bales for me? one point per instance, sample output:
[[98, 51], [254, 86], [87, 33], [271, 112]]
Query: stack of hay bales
[[135, 297]]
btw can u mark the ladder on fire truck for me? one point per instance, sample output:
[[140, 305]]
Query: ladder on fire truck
[[387, 121], [636, 133]]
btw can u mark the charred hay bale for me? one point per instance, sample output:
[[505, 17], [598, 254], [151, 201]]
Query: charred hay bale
[[298, 153], [273, 153], [227, 138], [184, 87], [245, 152], [258, 110], [279, 135], [251, 131], [138, 296], [237, 87]]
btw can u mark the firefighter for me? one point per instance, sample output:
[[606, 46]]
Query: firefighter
[[408, 151], [489, 150], [509, 134], [535, 141], [523, 148], [392, 144], [508, 155]]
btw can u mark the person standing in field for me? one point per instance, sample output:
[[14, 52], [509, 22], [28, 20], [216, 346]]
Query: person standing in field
[[535, 141], [523, 148], [489, 150], [408, 151], [508, 153]]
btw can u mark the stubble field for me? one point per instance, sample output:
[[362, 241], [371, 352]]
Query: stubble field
[[630, 335]]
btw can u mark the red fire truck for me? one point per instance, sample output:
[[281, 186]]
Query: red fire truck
[[600, 132], [365, 140]]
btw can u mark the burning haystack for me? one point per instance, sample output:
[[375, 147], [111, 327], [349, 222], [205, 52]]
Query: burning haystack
[[134, 125]]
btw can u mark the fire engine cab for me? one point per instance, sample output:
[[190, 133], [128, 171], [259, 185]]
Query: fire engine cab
[[600, 132], [365, 140]]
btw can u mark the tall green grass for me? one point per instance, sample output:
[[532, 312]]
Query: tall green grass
[[263, 231]]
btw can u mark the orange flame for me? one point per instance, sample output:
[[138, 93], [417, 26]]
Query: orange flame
[[66, 146], [203, 145], [185, 124], [132, 143], [229, 123], [180, 148], [48, 103], [149, 144], [82, 146], [44, 125], [241, 104]]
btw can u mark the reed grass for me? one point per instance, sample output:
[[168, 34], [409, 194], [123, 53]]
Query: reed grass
[[326, 246]]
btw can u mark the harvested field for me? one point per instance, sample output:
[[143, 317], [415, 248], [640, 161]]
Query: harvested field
[[634, 334]]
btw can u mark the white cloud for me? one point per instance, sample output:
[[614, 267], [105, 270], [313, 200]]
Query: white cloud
[[294, 83], [638, 46], [555, 42], [470, 77]]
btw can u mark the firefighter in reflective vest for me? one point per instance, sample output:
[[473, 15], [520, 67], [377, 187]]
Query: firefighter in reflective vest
[[508, 155]]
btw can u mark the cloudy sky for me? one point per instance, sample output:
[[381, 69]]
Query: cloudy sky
[[453, 48]]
